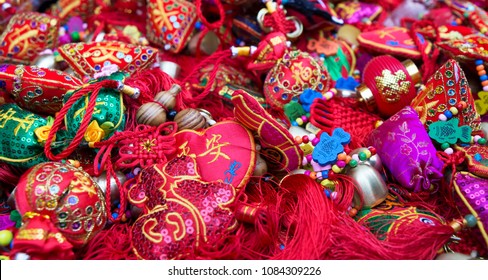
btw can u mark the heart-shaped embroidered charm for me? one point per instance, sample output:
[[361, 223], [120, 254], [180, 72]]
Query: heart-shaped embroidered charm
[[183, 212], [39, 90], [28, 34], [87, 59], [227, 151], [170, 23]]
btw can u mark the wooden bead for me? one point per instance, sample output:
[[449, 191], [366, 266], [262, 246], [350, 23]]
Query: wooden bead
[[168, 98], [151, 113], [190, 119]]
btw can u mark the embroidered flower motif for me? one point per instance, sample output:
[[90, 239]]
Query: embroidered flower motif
[[94, 133], [405, 149], [42, 132]]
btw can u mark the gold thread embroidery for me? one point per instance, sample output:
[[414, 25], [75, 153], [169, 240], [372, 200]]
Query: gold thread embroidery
[[391, 86]]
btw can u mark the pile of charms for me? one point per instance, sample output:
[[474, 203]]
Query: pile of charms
[[243, 129]]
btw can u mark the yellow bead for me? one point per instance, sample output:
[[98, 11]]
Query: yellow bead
[[327, 183], [368, 153], [454, 110], [299, 121], [336, 169], [6, 237]]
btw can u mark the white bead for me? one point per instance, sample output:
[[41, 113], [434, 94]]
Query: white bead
[[311, 137], [449, 151], [476, 138], [442, 117]]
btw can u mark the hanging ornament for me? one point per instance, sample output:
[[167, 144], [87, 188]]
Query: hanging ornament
[[388, 84], [395, 41], [37, 89], [62, 208], [88, 59], [170, 24], [296, 72], [447, 95], [26, 35], [407, 151]]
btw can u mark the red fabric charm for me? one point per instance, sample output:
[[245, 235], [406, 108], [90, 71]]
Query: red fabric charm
[[65, 9], [278, 146], [395, 41], [39, 90], [86, 59], [170, 23], [61, 206], [293, 74], [269, 51], [183, 212], [467, 49], [226, 150], [26, 35], [447, 88], [476, 166]]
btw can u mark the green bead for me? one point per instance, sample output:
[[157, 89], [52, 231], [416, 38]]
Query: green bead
[[471, 220], [482, 141], [353, 163], [362, 156], [75, 36], [6, 237], [445, 146]]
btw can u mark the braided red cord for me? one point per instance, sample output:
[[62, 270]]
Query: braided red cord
[[278, 21], [94, 89], [214, 25], [430, 60]]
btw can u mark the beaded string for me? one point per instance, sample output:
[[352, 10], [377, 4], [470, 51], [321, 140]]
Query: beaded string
[[342, 159], [482, 74]]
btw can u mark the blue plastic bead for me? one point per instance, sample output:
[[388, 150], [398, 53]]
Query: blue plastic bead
[[172, 114], [478, 157], [294, 123], [478, 62], [198, 25], [325, 174], [282, 247], [471, 220], [115, 215], [327, 193], [483, 78], [448, 114]]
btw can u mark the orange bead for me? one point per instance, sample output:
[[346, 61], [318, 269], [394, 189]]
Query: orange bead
[[481, 73], [348, 159], [342, 157], [313, 175], [353, 212], [480, 67], [484, 83], [298, 139]]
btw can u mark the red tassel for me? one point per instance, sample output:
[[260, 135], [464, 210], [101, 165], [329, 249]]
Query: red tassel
[[113, 243]]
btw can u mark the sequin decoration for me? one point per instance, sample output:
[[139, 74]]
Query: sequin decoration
[[293, 74], [26, 35], [39, 90], [64, 195], [86, 59], [473, 196], [437, 97], [182, 211], [170, 23]]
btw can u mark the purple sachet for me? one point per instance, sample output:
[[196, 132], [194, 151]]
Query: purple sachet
[[406, 150]]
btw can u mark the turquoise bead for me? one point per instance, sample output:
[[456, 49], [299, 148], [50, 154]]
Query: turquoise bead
[[471, 220], [445, 146]]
